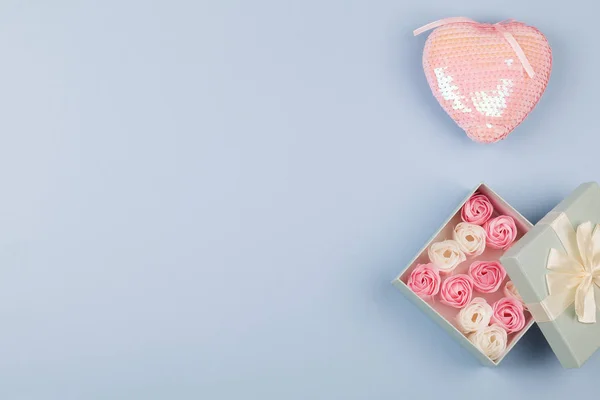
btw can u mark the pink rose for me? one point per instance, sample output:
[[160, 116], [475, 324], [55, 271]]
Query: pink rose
[[487, 275], [500, 232], [508, 313], [457, 291], [424, 280], [477, 210]]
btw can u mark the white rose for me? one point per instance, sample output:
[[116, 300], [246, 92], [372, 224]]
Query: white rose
[[490, 340], [446, 255], [475, 316], [470, 238]]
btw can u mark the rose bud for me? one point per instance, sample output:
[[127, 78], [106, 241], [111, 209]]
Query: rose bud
[[477, 210], [490, 340], [487, 275], [508, 313], [500, 232], [446, 255], [475, 316], [457, 291], [424, 281], [470, 238]]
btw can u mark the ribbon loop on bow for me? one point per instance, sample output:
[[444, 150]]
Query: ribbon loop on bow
[[573, 275], [498, 26]]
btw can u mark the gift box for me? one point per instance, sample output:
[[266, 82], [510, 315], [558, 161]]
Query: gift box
[[446, 316], [552, 275]]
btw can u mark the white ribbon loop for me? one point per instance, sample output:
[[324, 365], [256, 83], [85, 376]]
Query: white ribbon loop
[[499, 28], [572, 275]]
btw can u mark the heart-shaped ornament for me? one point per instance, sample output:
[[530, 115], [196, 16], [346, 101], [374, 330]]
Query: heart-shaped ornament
[[487, 77]]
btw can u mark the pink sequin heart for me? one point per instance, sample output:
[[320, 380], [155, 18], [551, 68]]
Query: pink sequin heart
[[479, 80]]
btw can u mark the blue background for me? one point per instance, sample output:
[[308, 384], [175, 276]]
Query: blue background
[[208, 200]]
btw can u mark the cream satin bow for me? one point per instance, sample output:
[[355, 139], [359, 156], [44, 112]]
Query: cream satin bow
[[573, 274]]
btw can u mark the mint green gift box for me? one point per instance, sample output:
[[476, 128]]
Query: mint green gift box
[[442, 315], [525, 262]]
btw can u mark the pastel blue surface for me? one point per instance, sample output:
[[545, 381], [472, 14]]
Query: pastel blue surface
[[208, 200]]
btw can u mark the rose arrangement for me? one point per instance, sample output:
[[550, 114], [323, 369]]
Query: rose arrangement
[[486, 326]]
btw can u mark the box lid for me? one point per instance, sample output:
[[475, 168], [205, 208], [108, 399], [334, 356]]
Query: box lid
[[556, 269]]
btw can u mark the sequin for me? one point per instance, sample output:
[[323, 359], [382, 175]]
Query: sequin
[[493, 104], [449, 91]]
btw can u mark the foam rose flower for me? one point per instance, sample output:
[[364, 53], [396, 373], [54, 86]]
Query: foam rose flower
[[508, 313], [490, 340], [500, 232], [446, 255], [511, 291], [487, 275], [475, 316], [424, 281], [457, 291], [470, 238], [477, 210]]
